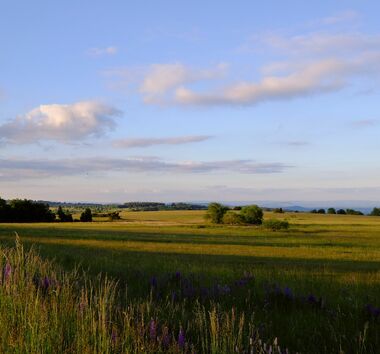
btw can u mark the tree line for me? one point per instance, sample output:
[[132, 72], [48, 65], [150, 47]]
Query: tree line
[[374, 212], [24, 210]]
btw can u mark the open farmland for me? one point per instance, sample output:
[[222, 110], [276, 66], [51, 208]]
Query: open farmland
[[315, 286]]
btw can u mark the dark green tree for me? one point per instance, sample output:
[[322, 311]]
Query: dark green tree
[[375, 212], [64, 217], [215, 212], [331, 211], [341, 212], [252, 214], [86, 216]]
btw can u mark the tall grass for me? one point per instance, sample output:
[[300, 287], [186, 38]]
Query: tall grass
[[46, 310]]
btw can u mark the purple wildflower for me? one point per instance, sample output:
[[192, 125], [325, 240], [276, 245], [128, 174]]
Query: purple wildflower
[[373, 311], [312, 299], [113, 336], [181, 338], [46, 283], [153, 330], [153, 282], [174, 296], [165, 337], [7, 271], [178, 275], [288, 293]]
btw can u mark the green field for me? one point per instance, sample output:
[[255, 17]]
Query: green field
[[332, 257]]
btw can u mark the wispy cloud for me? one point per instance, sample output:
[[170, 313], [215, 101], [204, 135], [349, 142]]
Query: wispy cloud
[[315, 63], [146, 142], [363, 123], [161, 78], [297, 143], [60, 122], [18, 169], [344, 16], [97, 52], [311, 63]]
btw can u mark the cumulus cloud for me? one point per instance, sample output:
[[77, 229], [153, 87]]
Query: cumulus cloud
[[97, 52], [60, 122], [16, 169], [146, 142]]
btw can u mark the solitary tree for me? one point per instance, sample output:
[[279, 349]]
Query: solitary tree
[[252, 214], [64, 217], [215, 212], [86, 216], [375, 212]]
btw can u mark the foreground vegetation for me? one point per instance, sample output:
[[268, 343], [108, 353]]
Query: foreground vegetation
[[315, 287]]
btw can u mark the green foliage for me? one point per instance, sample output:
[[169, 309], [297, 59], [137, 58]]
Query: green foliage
[[321, 211], [353, 212], [275, 224], [23, 210], [375, 212], [252, 214], [331, 211], [114, 216], [47, 311], [341, 212], [215, 212], [278, 210], [233, 218], [313, 257], [64, 216], [86, 216]]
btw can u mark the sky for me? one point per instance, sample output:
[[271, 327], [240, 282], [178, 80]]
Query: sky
[[114, 101]]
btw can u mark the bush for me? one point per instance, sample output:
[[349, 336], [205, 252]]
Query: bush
[[275, 224], [252, 214], [114, 216], [331, 211], [233, 218], [278, 210], [321, 211], [215, 212], [341, 212]]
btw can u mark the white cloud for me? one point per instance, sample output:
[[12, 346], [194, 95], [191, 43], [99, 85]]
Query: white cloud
[[146, 142], [344, 16], [314, 64], [313, 78], [97, 52], [18, 169], [161, 78], [60, 122]]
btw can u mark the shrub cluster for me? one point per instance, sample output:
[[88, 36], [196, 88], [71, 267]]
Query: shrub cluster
[[275, 224], [220, 214]]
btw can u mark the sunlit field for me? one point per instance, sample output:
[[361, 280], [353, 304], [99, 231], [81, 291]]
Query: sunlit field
[[314, 287]]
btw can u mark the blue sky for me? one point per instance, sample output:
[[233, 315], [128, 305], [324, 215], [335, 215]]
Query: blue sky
[[171, 101]]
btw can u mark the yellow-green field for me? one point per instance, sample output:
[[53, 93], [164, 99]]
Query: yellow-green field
[[332, 257]]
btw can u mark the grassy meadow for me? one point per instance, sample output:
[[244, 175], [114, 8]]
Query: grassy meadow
[[183, 285]]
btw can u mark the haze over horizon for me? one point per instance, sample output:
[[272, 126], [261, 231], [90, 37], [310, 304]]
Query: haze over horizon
[[238, 101]]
